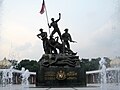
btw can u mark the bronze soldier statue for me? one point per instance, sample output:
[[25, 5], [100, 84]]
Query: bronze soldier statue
[[59, 46], [43, 37], [55, 26], [52, 43], [66, 37]]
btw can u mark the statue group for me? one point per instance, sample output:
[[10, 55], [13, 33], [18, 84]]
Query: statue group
[[52, 45], [59, 65]]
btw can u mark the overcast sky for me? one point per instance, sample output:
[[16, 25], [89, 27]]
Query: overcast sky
[[94, 24]]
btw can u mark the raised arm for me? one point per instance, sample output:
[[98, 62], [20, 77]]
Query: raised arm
[[59, 17]]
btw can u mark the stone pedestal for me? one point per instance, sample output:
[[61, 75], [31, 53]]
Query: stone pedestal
[[61, 77], [60, 70]]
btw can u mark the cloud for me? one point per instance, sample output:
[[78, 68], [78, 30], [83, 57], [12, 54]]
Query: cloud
[[102, 42], [31, 51], [17, 35]]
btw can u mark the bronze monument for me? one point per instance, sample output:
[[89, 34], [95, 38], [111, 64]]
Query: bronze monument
[[59, 66]]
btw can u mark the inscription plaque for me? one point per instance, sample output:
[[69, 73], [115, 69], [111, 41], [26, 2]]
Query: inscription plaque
[[61, 77]]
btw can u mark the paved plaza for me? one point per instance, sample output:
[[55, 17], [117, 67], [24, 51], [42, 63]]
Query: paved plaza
[[89, 87]]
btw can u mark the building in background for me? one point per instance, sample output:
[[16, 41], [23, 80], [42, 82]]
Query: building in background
[[4, 64]]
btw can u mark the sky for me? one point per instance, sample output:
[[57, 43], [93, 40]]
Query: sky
[[94, 24]]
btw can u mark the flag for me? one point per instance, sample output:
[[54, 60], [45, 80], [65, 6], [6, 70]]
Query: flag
[[42, 8]]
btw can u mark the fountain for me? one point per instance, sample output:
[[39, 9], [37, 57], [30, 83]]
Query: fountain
[[4, 78], [109, 77], [103, 80], [10, 77], [25, 75], [7, 78]]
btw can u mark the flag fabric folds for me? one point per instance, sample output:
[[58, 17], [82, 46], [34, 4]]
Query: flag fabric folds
[[42, 8]]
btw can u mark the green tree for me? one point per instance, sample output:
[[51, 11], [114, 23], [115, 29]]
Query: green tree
[[32, 65], [94, 64], [91, 65]]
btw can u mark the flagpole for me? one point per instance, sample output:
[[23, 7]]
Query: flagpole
[[47, 16]]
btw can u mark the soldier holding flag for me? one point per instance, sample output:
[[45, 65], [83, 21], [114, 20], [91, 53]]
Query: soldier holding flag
[[55, 26], [53, 23]]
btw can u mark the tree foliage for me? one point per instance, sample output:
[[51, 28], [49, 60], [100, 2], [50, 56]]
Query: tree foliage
[[31, 65], [93, 64]]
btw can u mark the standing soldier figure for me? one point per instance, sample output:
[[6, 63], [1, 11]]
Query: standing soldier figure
[[43, 37], [55, 26], [66, 37]]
